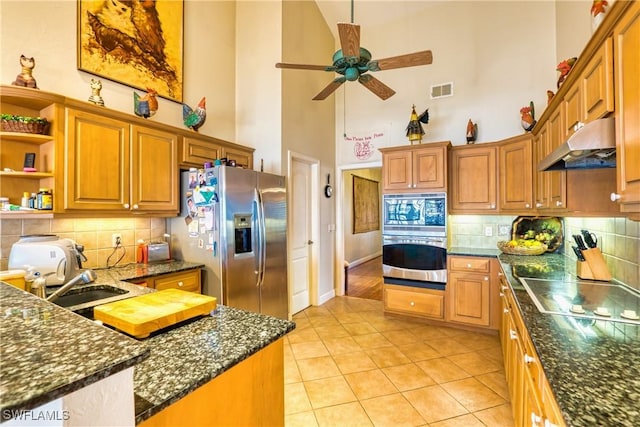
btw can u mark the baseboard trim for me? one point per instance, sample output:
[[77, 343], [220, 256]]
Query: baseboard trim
[[363, 260]]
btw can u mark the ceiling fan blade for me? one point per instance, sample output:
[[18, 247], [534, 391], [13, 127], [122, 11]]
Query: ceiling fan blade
[[331, 87], [349, 39], [401, 61], [376, 86], [304, 66]]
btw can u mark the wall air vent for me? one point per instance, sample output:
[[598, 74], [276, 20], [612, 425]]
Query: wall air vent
[[442, 90]]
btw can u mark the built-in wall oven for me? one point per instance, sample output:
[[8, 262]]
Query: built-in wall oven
[[414, 239]]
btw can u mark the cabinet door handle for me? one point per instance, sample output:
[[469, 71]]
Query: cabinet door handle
[[513, 334], [529, 359], [468, 265], [539, 205], [535, 419], [505, 310], [135, 206], [615, 197], [180, 284], [527, 205], [126, 205], [558, 203], [412, 303], [486, 278], [503, 288]]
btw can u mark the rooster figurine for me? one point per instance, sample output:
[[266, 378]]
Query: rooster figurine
[[564, 67], [194, 118], [147, 105], [472, 132], [527, 117]]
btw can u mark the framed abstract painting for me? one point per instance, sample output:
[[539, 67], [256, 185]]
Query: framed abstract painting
[[138, 43]]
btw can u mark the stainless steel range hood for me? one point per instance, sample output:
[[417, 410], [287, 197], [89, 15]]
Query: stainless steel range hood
[[592, 146]]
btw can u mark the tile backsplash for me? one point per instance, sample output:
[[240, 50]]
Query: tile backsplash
[[93, 233], [618, 239]]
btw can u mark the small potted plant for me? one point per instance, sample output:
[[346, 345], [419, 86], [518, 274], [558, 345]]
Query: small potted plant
[[15, 123]]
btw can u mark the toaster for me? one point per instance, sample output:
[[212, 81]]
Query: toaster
[[158, 251], [46, 255]]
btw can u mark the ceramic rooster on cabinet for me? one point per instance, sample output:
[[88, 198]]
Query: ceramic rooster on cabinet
[[194, 118], [527, 117], [147, 105], [564, 67]]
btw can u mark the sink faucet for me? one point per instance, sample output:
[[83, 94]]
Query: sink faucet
[[87, 276]]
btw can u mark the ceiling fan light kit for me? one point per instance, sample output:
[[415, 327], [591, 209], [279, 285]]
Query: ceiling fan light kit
[[353, 62]]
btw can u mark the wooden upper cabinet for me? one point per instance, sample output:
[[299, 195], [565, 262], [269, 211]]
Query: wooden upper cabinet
[[113, 166], [597, 84], [540, 179], [196, 151], [415, 168], [592, 96], [473, 178], [627, 63], [242, 156], [97, 159], [515, 166], [154, 170], [557, 195]]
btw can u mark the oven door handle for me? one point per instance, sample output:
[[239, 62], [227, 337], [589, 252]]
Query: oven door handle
[[390, 240]]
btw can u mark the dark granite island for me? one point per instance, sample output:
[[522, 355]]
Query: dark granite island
[[230, 356]]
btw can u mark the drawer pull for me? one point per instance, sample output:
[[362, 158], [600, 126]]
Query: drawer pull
[[486, 278], [180, 284], [412, 303], [505, 310], [513, 334], [468, 265], [528, 359]]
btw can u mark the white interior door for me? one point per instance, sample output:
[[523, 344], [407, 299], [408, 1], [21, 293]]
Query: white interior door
[[300, 234]]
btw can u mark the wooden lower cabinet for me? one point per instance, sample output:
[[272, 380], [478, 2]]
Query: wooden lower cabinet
[[472, 291], [532, 401], [189, 280], [249, 394], [413, 301]]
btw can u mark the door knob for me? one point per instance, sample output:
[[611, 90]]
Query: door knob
[[310, 242]]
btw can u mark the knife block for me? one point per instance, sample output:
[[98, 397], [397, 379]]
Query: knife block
[[595, 267], [583, 271]]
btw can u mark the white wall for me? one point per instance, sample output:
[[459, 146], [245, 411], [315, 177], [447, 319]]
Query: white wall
[[499, 56], [47, 31]]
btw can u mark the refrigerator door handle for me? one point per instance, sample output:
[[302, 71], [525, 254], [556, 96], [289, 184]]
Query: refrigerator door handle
[[261, 236]]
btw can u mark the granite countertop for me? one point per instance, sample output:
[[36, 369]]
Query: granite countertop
[[186, 357], [594, 373], [48, 351]]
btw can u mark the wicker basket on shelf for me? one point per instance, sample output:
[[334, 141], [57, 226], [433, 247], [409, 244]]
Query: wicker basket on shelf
[[521, 250], [35, 125]]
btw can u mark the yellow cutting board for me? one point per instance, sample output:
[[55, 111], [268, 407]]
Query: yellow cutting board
[[141, 315]]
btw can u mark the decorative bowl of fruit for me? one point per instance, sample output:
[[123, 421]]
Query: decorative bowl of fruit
[[522, 247]]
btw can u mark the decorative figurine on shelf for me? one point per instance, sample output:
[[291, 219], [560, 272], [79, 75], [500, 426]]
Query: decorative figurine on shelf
[[564, 67], [194, 118], [96, 87], [25, 78], [550, 96], [527, 117], [147, 105], [472, 132], [414, 128], [598, 12]]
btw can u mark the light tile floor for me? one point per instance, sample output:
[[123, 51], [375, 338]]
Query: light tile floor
[[348, 365]]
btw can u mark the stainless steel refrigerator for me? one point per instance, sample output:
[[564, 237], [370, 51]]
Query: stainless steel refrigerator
[[234, 221]]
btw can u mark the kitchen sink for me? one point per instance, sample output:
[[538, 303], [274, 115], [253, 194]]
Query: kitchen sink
[[89, 294]]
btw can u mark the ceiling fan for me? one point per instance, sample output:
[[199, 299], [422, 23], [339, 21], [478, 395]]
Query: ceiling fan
[[353, 62]]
